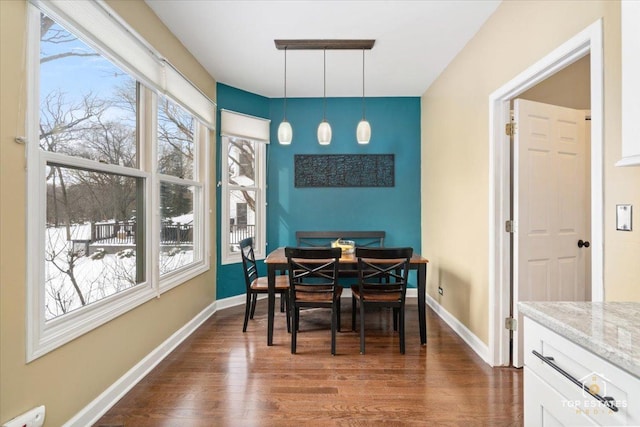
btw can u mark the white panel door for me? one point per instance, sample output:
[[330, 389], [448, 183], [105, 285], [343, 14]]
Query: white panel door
[[550, 207]]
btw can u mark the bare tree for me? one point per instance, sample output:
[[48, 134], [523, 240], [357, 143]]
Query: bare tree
[[114, 143], [60, 124], [53, 34], [60, 296], [241, 164], [120, 270], [175, 128], [61, 255], [175, 155]]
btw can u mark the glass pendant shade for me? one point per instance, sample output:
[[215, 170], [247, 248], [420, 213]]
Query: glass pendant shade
[[363, 132], [324, 133], [285, 133]]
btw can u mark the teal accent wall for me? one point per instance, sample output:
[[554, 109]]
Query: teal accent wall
[[395, 129], [395, 124]]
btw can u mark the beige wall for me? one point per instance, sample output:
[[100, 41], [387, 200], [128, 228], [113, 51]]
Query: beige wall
[[455, 152], [68, 378], [568, 87]]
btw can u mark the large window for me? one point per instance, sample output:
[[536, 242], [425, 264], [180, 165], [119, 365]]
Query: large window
[[243, 196], [180, 191], [243, 170], [116, 185]]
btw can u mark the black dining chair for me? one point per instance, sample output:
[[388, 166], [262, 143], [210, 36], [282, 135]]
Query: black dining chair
[[256, 285], [313, 282], [382, 282]]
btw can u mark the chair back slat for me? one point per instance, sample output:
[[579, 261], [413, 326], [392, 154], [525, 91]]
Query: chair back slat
[[383, 271], [248, 261], [312, 272]]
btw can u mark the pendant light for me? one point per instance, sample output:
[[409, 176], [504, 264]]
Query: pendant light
[[324, 129], [363, 131], [285, 132]]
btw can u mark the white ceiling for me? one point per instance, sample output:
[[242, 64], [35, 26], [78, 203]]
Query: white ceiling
[[415, 40]]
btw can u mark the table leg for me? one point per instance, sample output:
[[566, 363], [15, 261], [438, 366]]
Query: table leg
[[422, 302], [271, 277]]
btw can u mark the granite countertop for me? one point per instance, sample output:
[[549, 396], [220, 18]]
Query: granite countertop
[[608, 329]]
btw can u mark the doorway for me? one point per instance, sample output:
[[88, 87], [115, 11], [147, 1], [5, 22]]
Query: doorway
[[550, 200], [588, 43]]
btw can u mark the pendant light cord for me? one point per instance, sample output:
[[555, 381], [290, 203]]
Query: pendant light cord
[[285, 84], [324, 104], [363, 103]]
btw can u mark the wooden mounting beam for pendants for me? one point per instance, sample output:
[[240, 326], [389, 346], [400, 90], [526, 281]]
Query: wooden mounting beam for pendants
[[322, 44]]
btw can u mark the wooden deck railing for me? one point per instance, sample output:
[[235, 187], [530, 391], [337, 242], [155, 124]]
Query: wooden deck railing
[[118, 232], [239, 232], [124, 233]]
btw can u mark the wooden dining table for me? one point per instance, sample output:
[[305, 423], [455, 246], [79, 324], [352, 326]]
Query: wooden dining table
[[276, 262]]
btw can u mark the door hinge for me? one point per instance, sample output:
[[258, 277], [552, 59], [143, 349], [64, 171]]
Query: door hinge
[[510, 128], [508, 226], [511, 324]]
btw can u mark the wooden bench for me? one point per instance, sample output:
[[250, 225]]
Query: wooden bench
[[324, 238]]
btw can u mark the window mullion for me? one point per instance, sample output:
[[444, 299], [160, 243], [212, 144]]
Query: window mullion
[[261, 205], [176, 180], [92, 165], [243, 187], [150, 142]]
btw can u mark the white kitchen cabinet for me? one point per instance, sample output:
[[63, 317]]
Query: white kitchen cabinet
[[630, 19], [552, 398], [547, 407]]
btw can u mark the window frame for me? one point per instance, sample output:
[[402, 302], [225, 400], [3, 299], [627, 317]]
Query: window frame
[[260, 239], [200, 181], [44, 335]]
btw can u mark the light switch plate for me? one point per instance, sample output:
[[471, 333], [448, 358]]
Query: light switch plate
[[623, 217]]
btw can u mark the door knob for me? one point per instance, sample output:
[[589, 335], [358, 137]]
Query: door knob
[[584, 243]]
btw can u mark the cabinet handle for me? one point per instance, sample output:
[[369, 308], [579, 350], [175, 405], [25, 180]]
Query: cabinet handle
[[607, 401]]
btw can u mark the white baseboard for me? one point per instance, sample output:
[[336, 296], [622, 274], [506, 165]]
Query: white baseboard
[[467, 336], [101, 404], [221, 304]]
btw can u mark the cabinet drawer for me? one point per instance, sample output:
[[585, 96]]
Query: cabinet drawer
[[586, 369], [547, 407]]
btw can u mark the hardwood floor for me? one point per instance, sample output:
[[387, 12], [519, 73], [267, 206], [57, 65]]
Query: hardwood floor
[[222, 377]]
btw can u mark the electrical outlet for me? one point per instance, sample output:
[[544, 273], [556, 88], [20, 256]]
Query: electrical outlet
[[440, 290], [32, 418]]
